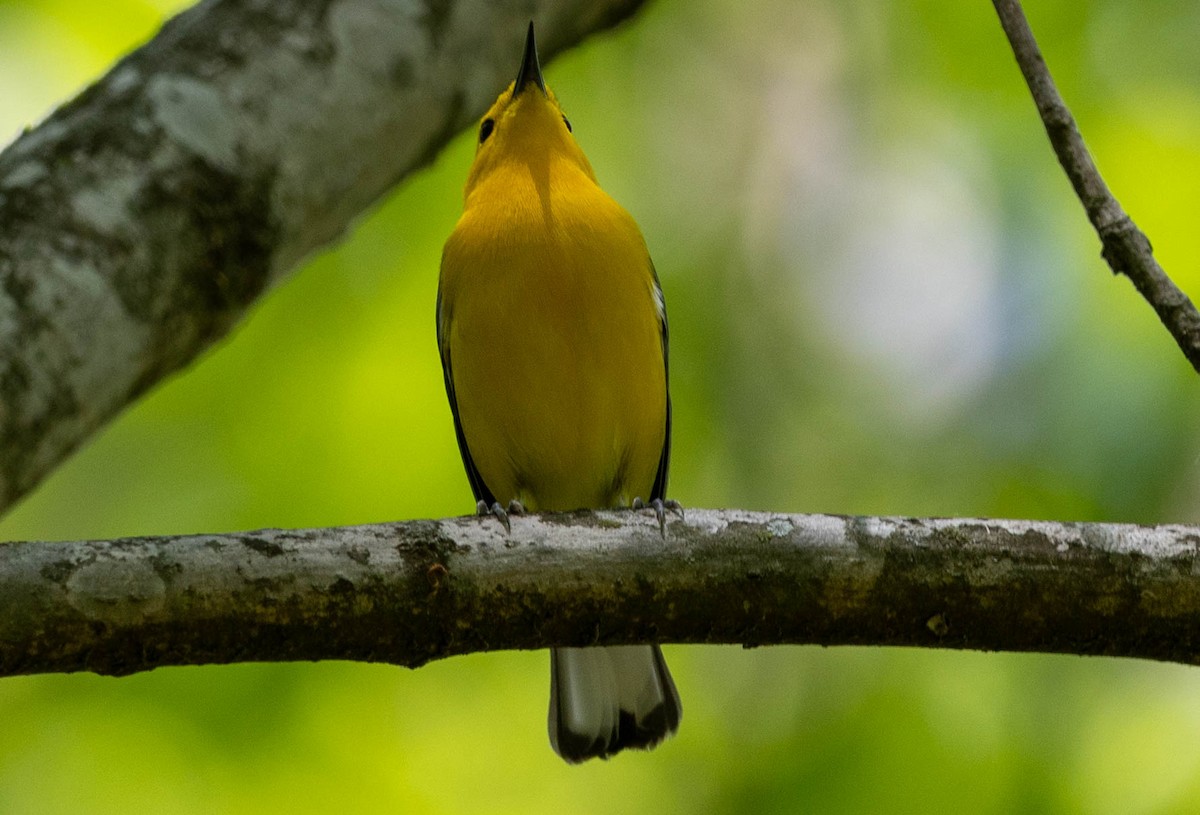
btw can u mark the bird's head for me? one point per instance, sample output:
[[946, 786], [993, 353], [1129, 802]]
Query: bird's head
[[525, 125]]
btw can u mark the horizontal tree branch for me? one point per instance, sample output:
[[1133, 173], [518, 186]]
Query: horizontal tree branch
[[407, 593], [140, 221], [1127, 250]]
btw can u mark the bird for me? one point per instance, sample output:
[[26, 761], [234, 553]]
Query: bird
[[552, 331]]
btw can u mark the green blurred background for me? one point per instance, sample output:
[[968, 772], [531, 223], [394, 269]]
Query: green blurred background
[[883, 298]]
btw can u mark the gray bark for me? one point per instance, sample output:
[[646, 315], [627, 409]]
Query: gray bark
[[411, 592], [140, 221]]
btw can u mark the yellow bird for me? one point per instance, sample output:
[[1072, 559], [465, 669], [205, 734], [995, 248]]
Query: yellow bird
[[553, 335]]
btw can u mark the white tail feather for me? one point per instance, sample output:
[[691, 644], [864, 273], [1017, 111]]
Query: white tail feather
[[603, 700]]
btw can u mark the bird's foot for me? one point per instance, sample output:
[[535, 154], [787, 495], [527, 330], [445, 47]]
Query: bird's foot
[[661, 508], [515, 507]]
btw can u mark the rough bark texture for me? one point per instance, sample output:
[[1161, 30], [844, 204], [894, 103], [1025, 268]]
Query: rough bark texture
[[412, 592], [1127, 250], [140, 220]]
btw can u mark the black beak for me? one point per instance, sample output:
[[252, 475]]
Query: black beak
[[530, 70]]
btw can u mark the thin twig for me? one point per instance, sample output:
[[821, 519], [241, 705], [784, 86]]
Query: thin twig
[[407, 593], [1126, 248]]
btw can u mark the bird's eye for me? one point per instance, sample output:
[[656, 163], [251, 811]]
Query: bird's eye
[[486, 129], [567, 122]]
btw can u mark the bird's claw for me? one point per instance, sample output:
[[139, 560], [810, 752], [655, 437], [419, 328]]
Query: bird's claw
[[661, 508], [515, 507]]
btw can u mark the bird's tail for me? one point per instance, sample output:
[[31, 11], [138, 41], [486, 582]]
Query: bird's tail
[[603, 700]]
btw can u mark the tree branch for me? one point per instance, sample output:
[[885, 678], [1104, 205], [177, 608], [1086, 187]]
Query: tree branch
[[407, 593], [1126, 248], [140, 221]]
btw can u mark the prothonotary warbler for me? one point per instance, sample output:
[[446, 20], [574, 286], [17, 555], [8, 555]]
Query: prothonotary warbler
[[553, 336]]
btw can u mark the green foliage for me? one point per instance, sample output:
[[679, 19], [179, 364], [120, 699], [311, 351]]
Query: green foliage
[[883, 299]]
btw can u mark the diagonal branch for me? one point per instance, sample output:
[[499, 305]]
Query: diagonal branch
[[1126, 248], [141, 220], [407, 593]]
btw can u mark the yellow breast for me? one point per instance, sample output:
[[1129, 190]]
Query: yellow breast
[[553, 335]]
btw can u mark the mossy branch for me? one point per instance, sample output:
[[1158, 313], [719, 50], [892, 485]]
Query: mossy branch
[[407, 593]]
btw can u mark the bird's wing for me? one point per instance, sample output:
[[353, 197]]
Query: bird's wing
[[659, 490], [482, 493]]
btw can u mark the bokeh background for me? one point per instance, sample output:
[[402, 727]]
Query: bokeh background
[[883, 299]]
